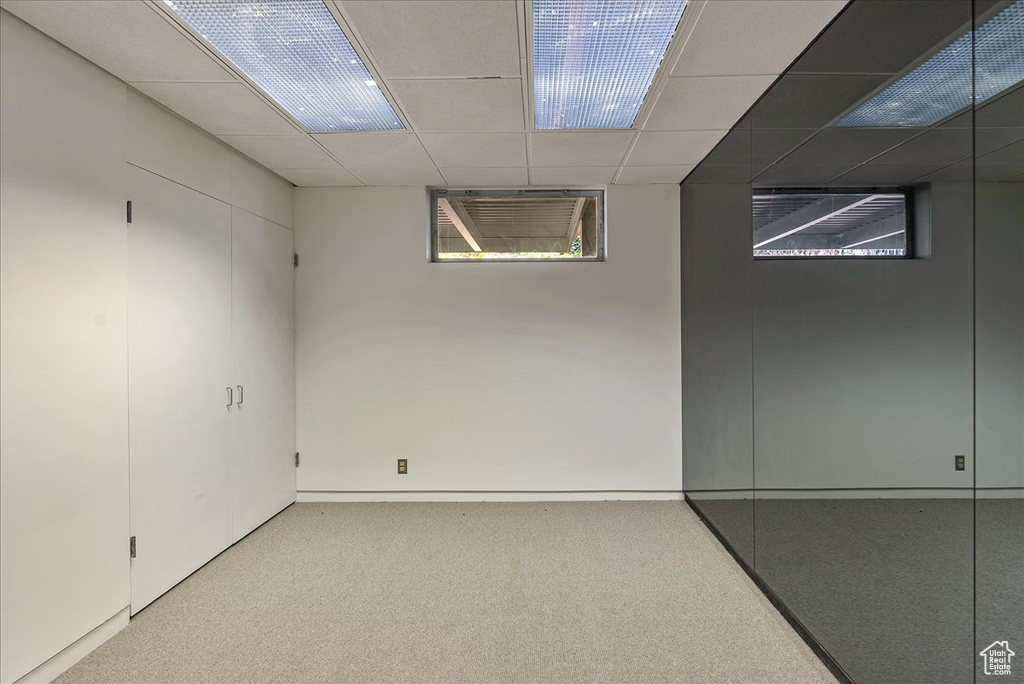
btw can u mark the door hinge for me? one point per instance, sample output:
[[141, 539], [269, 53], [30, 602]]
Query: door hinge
[[296, 459], [296, 260], [128, 211], [131, 546]]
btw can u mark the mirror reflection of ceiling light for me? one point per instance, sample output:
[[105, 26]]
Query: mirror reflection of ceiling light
[[942, 85]]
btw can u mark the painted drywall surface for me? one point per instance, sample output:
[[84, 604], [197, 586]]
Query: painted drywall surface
[[487, 377], [63, 326], [716, 339]]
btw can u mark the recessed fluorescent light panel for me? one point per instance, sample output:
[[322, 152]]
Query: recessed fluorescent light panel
[[942, 85], [295, 51], [593, 60]]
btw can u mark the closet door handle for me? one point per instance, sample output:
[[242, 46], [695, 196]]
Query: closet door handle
[[231, 396], [241, 395]]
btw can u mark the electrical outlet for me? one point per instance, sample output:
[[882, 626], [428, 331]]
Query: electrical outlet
[[960, 461], [403, 466]]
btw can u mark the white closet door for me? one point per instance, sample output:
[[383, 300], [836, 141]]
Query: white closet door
[[263, 341], [179, 339]]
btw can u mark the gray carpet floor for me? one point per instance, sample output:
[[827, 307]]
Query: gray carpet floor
[[888, 586], [453, 592]]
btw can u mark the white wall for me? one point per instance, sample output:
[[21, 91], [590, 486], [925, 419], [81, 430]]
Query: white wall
[[68, 129], [63, 350], [487, 377]]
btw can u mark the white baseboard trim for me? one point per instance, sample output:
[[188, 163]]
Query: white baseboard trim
[[347, 497], [61, 662]]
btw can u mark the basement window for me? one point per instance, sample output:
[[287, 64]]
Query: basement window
[[834, 223], [517, 225]]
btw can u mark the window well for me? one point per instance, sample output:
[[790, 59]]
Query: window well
[[295, 52], [594, 61], [515, 225], [798, 223]]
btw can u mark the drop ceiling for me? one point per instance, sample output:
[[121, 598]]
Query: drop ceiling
[[458, 73]]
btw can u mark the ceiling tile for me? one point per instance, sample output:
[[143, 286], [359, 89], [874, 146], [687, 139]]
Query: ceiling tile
[[469, 177], [848, 145], [1008, 154], [579, 148], [886, 174], [783, 175], [720, 173], [423, 176], [763, 37], [468, 150], [897, 31], [653, 174], [319, 177], [282, 151], [219, 108], [768, 145], [396, 150], [572, 175], [940, 145], [481, 104], [654, 148], [961, 172], [128, 39], [417, 38], [811, 101], [1004, 111], [705, 103]]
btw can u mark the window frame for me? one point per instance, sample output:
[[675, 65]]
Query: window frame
[[598, 193], [908, 209]]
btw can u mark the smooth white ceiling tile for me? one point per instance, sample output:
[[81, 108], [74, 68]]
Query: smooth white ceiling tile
[[579, 148], [219, 108], [424, 176], [319, 177], [655, 148], [476, 149], [653, 174], [282, 151], [467, 177], [574, 175], [417, 38], [706, 103], [398, 150], [482, 104], [128, 39], [739, 37]]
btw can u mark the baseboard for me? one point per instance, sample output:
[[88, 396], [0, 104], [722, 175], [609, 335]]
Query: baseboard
[[311, 496], [61, 662]]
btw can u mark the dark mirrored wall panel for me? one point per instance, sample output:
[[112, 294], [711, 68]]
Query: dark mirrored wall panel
[[716, 335], [862, 375], [999, 338]]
